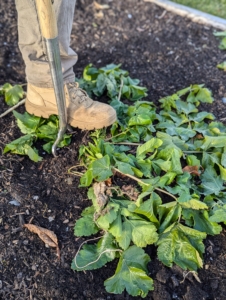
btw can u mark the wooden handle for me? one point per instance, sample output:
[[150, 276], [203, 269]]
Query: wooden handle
[[47, 18]]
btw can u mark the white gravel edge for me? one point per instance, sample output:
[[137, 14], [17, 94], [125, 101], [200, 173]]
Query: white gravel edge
[[191, 13]]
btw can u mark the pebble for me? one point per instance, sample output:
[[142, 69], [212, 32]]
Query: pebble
[[14, 202], [224, 100], [0, 284]]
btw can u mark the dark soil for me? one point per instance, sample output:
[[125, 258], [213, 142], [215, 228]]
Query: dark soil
[[167, 53]]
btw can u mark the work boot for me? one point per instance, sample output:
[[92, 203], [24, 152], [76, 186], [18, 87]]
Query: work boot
[[82, 111]]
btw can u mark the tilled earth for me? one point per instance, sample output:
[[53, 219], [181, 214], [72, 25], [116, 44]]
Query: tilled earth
[[167, 53]]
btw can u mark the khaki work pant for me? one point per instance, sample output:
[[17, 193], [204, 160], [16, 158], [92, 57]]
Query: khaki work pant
[[32, 46]]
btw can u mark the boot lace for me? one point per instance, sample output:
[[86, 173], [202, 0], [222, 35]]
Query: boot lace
[[77, 93]]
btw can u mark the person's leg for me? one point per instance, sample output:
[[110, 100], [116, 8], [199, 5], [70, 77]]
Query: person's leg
[[82, 111], [32, 47]]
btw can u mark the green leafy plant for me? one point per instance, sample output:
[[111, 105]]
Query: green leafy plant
[[222, 36], [109, 79], [11, 93], [157, 178], [35, 128]]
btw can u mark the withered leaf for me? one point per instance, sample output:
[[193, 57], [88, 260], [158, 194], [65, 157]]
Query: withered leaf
[[199, 136], [100, 6], [194, 170], [99, 189], [130, 191], [46, 235]]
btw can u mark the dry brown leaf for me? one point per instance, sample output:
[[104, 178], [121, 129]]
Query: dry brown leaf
[[130, 191], [99, 189], [46, 235], [194, 170], [100, 6], [108, 182], [199, 136]]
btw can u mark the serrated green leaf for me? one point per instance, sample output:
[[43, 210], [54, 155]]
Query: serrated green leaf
[[102, 168], [213, 142], [211, 183], [87, 178], [12, 93], [204, 95], [125, 168], [201, 116], [181, 245], [22, 146], [93, 257], [222, 66], [201, 221], [148, 208], [184, 107], [143, 233], [149, 146], [185, 133], [109, 214], [142, 119], [124, 239], [85, 226], [192, 160], [168, 214], [169, 102], [27, 123], [219, 214], [194, 204], [131, 274]]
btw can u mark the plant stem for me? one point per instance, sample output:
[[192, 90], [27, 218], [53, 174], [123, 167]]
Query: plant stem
[[140, 181], [131, 176], [127, 143], [165, 192], [116, 135], [120, 89], [12, 108]]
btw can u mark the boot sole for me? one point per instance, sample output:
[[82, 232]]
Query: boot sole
[[40, 111]]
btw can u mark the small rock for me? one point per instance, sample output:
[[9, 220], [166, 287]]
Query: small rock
[[51, 219], [35, 197], [14, 202], [0, 284], [224, 100], [174, 281], [69, 180]]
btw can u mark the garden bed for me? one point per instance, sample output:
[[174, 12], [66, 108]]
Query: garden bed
[[167, 53]]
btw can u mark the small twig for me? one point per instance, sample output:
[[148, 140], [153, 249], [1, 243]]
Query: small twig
[[126, 143], [120, 90], [92, 262], [12, 108], [131, 176], [138, 180]]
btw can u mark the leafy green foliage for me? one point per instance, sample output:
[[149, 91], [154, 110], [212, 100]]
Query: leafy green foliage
[[181, 245], [35, 128], [101, 253], [11, 93], [108, 79], [222, 36], [131, 274], [173, 167]]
